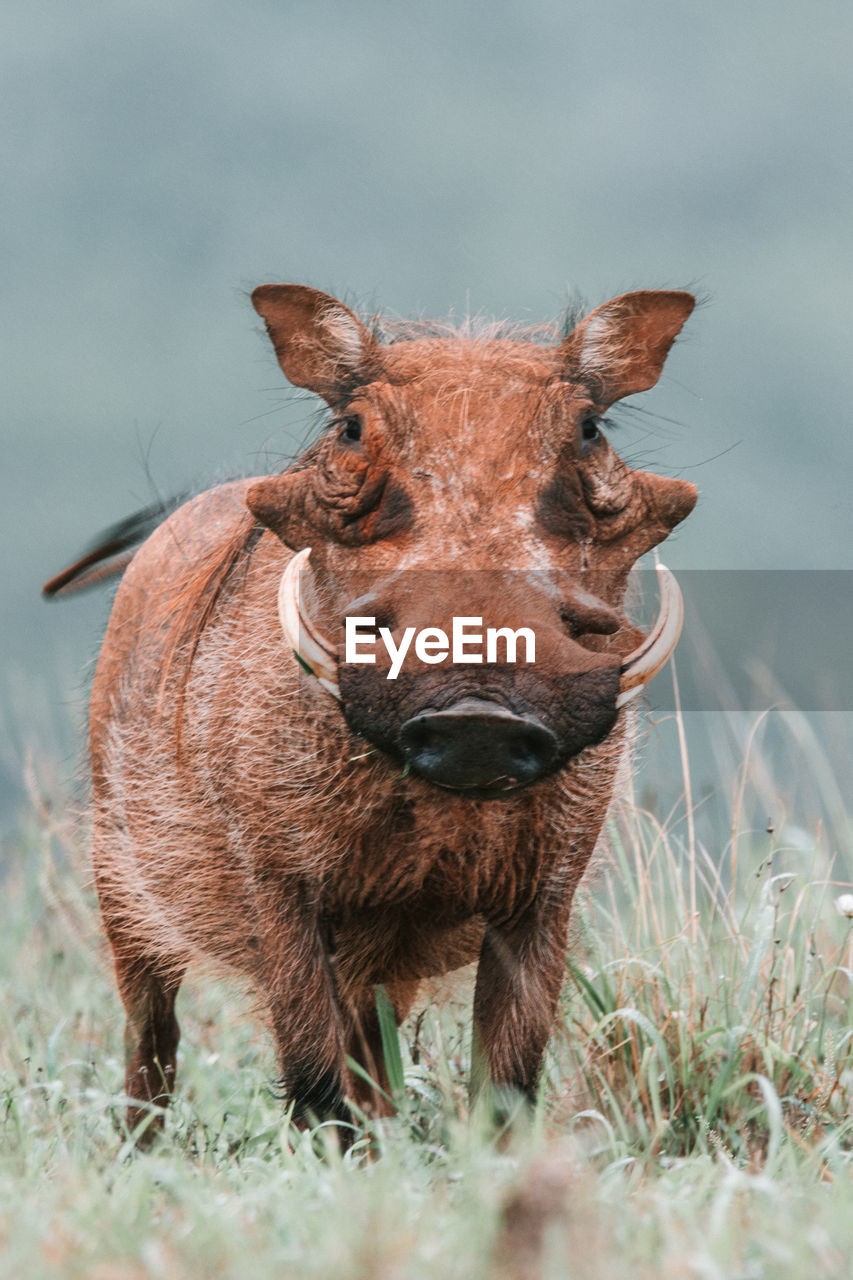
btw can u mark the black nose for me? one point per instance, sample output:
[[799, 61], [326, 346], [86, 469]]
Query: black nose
[[478, 746]]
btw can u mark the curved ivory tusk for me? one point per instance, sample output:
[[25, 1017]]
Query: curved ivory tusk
[[646, 661], [311, 649]]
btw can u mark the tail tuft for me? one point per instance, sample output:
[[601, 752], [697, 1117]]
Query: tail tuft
[[111, 552]]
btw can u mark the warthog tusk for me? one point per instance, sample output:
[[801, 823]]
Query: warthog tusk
[[311, 649], [646, 661]]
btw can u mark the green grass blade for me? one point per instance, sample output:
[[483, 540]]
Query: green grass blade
[[390, 1044]]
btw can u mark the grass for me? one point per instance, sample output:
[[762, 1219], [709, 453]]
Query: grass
[[695, 1116]]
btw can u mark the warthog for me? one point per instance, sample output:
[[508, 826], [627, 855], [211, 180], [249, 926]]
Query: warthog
[[264, 805]]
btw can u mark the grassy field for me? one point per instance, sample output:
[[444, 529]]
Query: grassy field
[[695, 1114]]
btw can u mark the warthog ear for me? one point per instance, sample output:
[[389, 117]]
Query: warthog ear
[[320, 343], [620, 348]]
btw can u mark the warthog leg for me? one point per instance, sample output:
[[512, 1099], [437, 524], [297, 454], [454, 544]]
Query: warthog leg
[[298, 984], [151, 1035], [316, 1024], [521, 969]]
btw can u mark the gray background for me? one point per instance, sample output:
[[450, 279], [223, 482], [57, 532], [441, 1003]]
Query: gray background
[[163, 158]]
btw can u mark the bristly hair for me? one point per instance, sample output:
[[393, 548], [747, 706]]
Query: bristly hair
[[202, 591], [574, 312], [467, 329], [389, 330]]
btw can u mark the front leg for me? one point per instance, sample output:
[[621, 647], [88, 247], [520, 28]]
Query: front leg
[[519, 977], [297, 982]]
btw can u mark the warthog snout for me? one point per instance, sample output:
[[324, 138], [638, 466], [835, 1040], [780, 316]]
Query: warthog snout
[[477, 745]]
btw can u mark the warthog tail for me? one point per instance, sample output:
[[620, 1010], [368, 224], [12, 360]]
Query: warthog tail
[[111, 551]]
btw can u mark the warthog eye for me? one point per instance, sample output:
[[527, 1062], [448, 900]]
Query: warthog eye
[[590, 430], [351, 429]]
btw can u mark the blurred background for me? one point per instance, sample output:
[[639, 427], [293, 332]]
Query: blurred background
[[163, 158]]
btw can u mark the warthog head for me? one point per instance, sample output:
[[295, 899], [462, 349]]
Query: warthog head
[[466, 475]]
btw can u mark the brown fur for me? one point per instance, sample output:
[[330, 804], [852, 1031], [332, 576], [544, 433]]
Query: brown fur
[[244, 817]]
